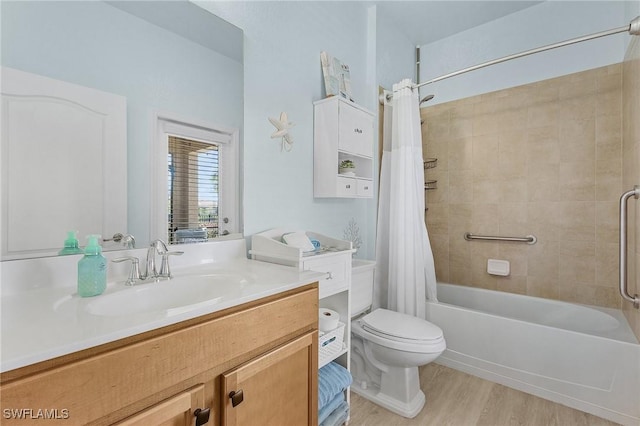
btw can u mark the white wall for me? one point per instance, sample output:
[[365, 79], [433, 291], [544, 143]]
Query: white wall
[[547, 23], [396, 57], [283, 41]]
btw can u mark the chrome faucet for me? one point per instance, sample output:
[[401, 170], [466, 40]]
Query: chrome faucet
[[157, 247]]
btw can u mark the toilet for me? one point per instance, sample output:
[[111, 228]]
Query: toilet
[[387, 348]]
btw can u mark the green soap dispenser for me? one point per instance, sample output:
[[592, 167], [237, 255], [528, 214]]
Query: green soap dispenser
[[71, 245], [92, 269]]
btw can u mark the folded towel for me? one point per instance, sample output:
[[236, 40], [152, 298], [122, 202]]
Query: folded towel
[[338, 417], [325, 411], [332, 379], [298, 240]]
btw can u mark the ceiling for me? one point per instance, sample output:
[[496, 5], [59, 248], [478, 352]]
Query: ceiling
[[423, 22]]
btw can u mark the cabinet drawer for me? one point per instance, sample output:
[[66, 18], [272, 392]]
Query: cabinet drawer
[[364, 188], [336, 278], [355, 131], [346, 187]]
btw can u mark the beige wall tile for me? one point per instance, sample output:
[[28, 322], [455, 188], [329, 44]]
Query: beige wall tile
[[577, 140], [543, 182], [577, 221], [512, 284], [546, 287], [607, 222], [543, 115], [607, 265], [513, 189], [441, 193], [460, 154], [485, 155], [437, 218], [486, 189], [577, 263], [460, 275], [545, 159], [437, 148], [609, 103], [577, 181], [437, 126], [461, 186], [440, 249], [542, 146], [543, 260]]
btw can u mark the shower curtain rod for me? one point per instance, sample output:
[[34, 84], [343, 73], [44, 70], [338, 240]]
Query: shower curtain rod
[[633, 28]]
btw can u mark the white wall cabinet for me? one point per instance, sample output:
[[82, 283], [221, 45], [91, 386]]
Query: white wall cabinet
[[342, 130]]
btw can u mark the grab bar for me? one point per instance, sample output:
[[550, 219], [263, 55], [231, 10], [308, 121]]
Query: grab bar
[[529, 239], [635, 193]]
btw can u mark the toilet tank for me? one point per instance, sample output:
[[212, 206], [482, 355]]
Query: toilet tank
[[361, 285]]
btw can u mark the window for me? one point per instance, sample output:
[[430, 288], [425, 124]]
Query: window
[[198, 197], [193, 190]]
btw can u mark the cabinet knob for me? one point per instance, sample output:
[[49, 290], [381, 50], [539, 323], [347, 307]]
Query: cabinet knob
[[366, 187], [348, 186], [202, 416], [236, 397]]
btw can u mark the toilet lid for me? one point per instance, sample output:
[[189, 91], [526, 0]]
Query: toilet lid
[[396, 325]]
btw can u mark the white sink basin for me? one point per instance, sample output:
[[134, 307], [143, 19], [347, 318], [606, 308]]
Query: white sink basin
[[174, 296], [169, 298]]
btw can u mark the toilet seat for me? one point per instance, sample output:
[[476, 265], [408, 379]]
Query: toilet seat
[[401, 327], [400, 331]]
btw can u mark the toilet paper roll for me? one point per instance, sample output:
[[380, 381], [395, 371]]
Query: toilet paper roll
[[328, 320]]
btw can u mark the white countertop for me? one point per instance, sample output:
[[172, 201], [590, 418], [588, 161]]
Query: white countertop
[[43, 323]]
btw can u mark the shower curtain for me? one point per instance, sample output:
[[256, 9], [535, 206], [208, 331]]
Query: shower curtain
[[405, 270]]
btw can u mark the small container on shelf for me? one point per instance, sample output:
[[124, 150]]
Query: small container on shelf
[[330, 345]]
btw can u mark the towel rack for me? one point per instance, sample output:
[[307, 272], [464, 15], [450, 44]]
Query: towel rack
[[529, 239], [635, 193]]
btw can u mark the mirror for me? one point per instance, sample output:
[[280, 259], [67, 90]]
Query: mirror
[[164, 59]]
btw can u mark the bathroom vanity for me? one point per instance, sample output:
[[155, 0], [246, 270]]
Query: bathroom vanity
[[250, 356]]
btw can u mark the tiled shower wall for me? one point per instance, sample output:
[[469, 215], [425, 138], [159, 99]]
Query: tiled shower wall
[[631, 170], [542, 159]]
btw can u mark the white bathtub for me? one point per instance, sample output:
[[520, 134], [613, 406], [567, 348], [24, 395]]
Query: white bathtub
[[581, 356]]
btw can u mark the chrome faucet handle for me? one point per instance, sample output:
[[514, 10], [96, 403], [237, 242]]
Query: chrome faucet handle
[[165, 271], [156, 247], [134, 272], [160, 246]]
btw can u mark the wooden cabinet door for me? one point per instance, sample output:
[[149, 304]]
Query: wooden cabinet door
[[175, 411], [277, 388]]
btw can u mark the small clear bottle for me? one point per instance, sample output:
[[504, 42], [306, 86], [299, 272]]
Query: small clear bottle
[[92, 269]]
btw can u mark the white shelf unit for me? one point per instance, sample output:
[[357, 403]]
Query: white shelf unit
[[342, 130], [334, 288]]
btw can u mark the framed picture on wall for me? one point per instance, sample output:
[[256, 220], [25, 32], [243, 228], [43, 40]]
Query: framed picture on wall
[[337, 77]]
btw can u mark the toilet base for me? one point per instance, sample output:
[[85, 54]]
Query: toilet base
[[408, 409]]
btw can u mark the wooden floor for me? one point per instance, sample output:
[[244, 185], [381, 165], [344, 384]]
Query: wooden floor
[[458, 399]]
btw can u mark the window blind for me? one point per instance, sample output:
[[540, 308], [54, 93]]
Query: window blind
[[193, 190]]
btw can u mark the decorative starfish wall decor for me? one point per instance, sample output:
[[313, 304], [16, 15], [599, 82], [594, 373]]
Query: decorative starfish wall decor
[[283, 125]]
